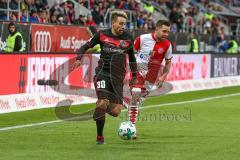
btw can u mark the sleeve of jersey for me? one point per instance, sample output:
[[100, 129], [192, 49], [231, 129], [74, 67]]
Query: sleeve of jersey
[[132, 62], [168, 55], [137, 44], [90, 43]]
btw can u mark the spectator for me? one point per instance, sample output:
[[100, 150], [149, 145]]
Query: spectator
[[53, 19], [140, 21], [40, 5], [180, 12], [3, 5], [149, 8], [24, 17], [13, 4], [232, 46], [80, 21], [97, 17], [169, 4], [70, 13], [148, 23], [113, 3], [90, 21], [43, 17], [207, 27], [63, 9], [221, 46], [175, 17], [3, 16], [222, 32], [45, 3], [60, 20], [34, 17], [92, 3], [208, 15], [193, 46], [105, 5], [102, 10], [83, 3], [134, 5], [14, 41], [125, 5], [29, 5], [55, 9], [13, 16]]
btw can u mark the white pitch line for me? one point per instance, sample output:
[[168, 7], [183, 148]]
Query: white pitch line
[[29, 125], [145, 107], [191, 101]]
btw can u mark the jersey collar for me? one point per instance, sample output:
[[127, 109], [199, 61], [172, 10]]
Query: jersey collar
[[153, 37]]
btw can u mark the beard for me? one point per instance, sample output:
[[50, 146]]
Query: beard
[[12, 32]]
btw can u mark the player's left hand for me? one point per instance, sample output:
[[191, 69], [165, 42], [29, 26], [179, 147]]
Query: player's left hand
[[160, 82], [133, 81]]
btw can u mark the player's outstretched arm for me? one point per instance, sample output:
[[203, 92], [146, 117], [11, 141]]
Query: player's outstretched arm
[[90, 43]]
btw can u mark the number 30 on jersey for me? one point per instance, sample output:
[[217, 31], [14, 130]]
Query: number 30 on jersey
[[101, 84]]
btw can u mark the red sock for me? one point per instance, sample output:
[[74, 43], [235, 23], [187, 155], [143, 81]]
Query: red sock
[[133, 113], [100, 138]]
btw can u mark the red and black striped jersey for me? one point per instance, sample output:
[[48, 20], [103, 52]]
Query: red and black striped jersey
[[113, 52]]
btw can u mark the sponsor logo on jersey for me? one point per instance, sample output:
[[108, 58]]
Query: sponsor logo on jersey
[[124, 44], [160, 50]]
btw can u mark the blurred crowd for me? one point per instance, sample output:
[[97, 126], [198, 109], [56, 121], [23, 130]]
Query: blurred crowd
[[185, 15], [197, 16], [63, 12], [190, 16]]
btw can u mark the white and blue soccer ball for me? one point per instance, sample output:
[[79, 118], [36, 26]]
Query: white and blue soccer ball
[[126, 130]]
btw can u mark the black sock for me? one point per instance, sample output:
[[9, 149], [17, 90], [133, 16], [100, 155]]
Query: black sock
[[99, 117], [100, 126]]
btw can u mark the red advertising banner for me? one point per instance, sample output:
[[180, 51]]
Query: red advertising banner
[[43, 38], [20, 73], [70, 39], [57, 38]]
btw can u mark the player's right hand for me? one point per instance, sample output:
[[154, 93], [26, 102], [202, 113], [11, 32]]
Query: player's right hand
[[133, 81], [76, 64]]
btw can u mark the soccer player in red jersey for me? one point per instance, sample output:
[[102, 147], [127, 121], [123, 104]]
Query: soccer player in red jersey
[[151, 50]]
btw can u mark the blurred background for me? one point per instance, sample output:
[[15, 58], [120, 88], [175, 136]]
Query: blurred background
[[212, 23]]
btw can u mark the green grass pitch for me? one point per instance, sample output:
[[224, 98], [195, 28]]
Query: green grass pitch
[[206, 130]]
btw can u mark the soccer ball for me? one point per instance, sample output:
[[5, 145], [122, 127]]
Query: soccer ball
[[126, 130]]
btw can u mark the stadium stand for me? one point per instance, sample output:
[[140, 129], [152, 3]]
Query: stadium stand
[[186, 15], [218, 18]]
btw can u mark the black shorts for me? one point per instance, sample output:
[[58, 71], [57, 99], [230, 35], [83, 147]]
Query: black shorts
[[109, 88]]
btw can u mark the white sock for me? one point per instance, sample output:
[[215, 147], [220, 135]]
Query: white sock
[[133, 113]]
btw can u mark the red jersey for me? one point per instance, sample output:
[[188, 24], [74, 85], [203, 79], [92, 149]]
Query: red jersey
[[150, 56]]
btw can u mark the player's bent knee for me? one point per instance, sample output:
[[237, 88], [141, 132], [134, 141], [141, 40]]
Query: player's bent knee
[[116, 110], [102, 103]]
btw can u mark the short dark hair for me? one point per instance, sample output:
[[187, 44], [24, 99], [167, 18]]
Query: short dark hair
[[116, 14], [160, 23], [11, 24]]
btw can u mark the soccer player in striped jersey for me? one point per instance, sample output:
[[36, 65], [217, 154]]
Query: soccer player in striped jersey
[[151, 50]]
